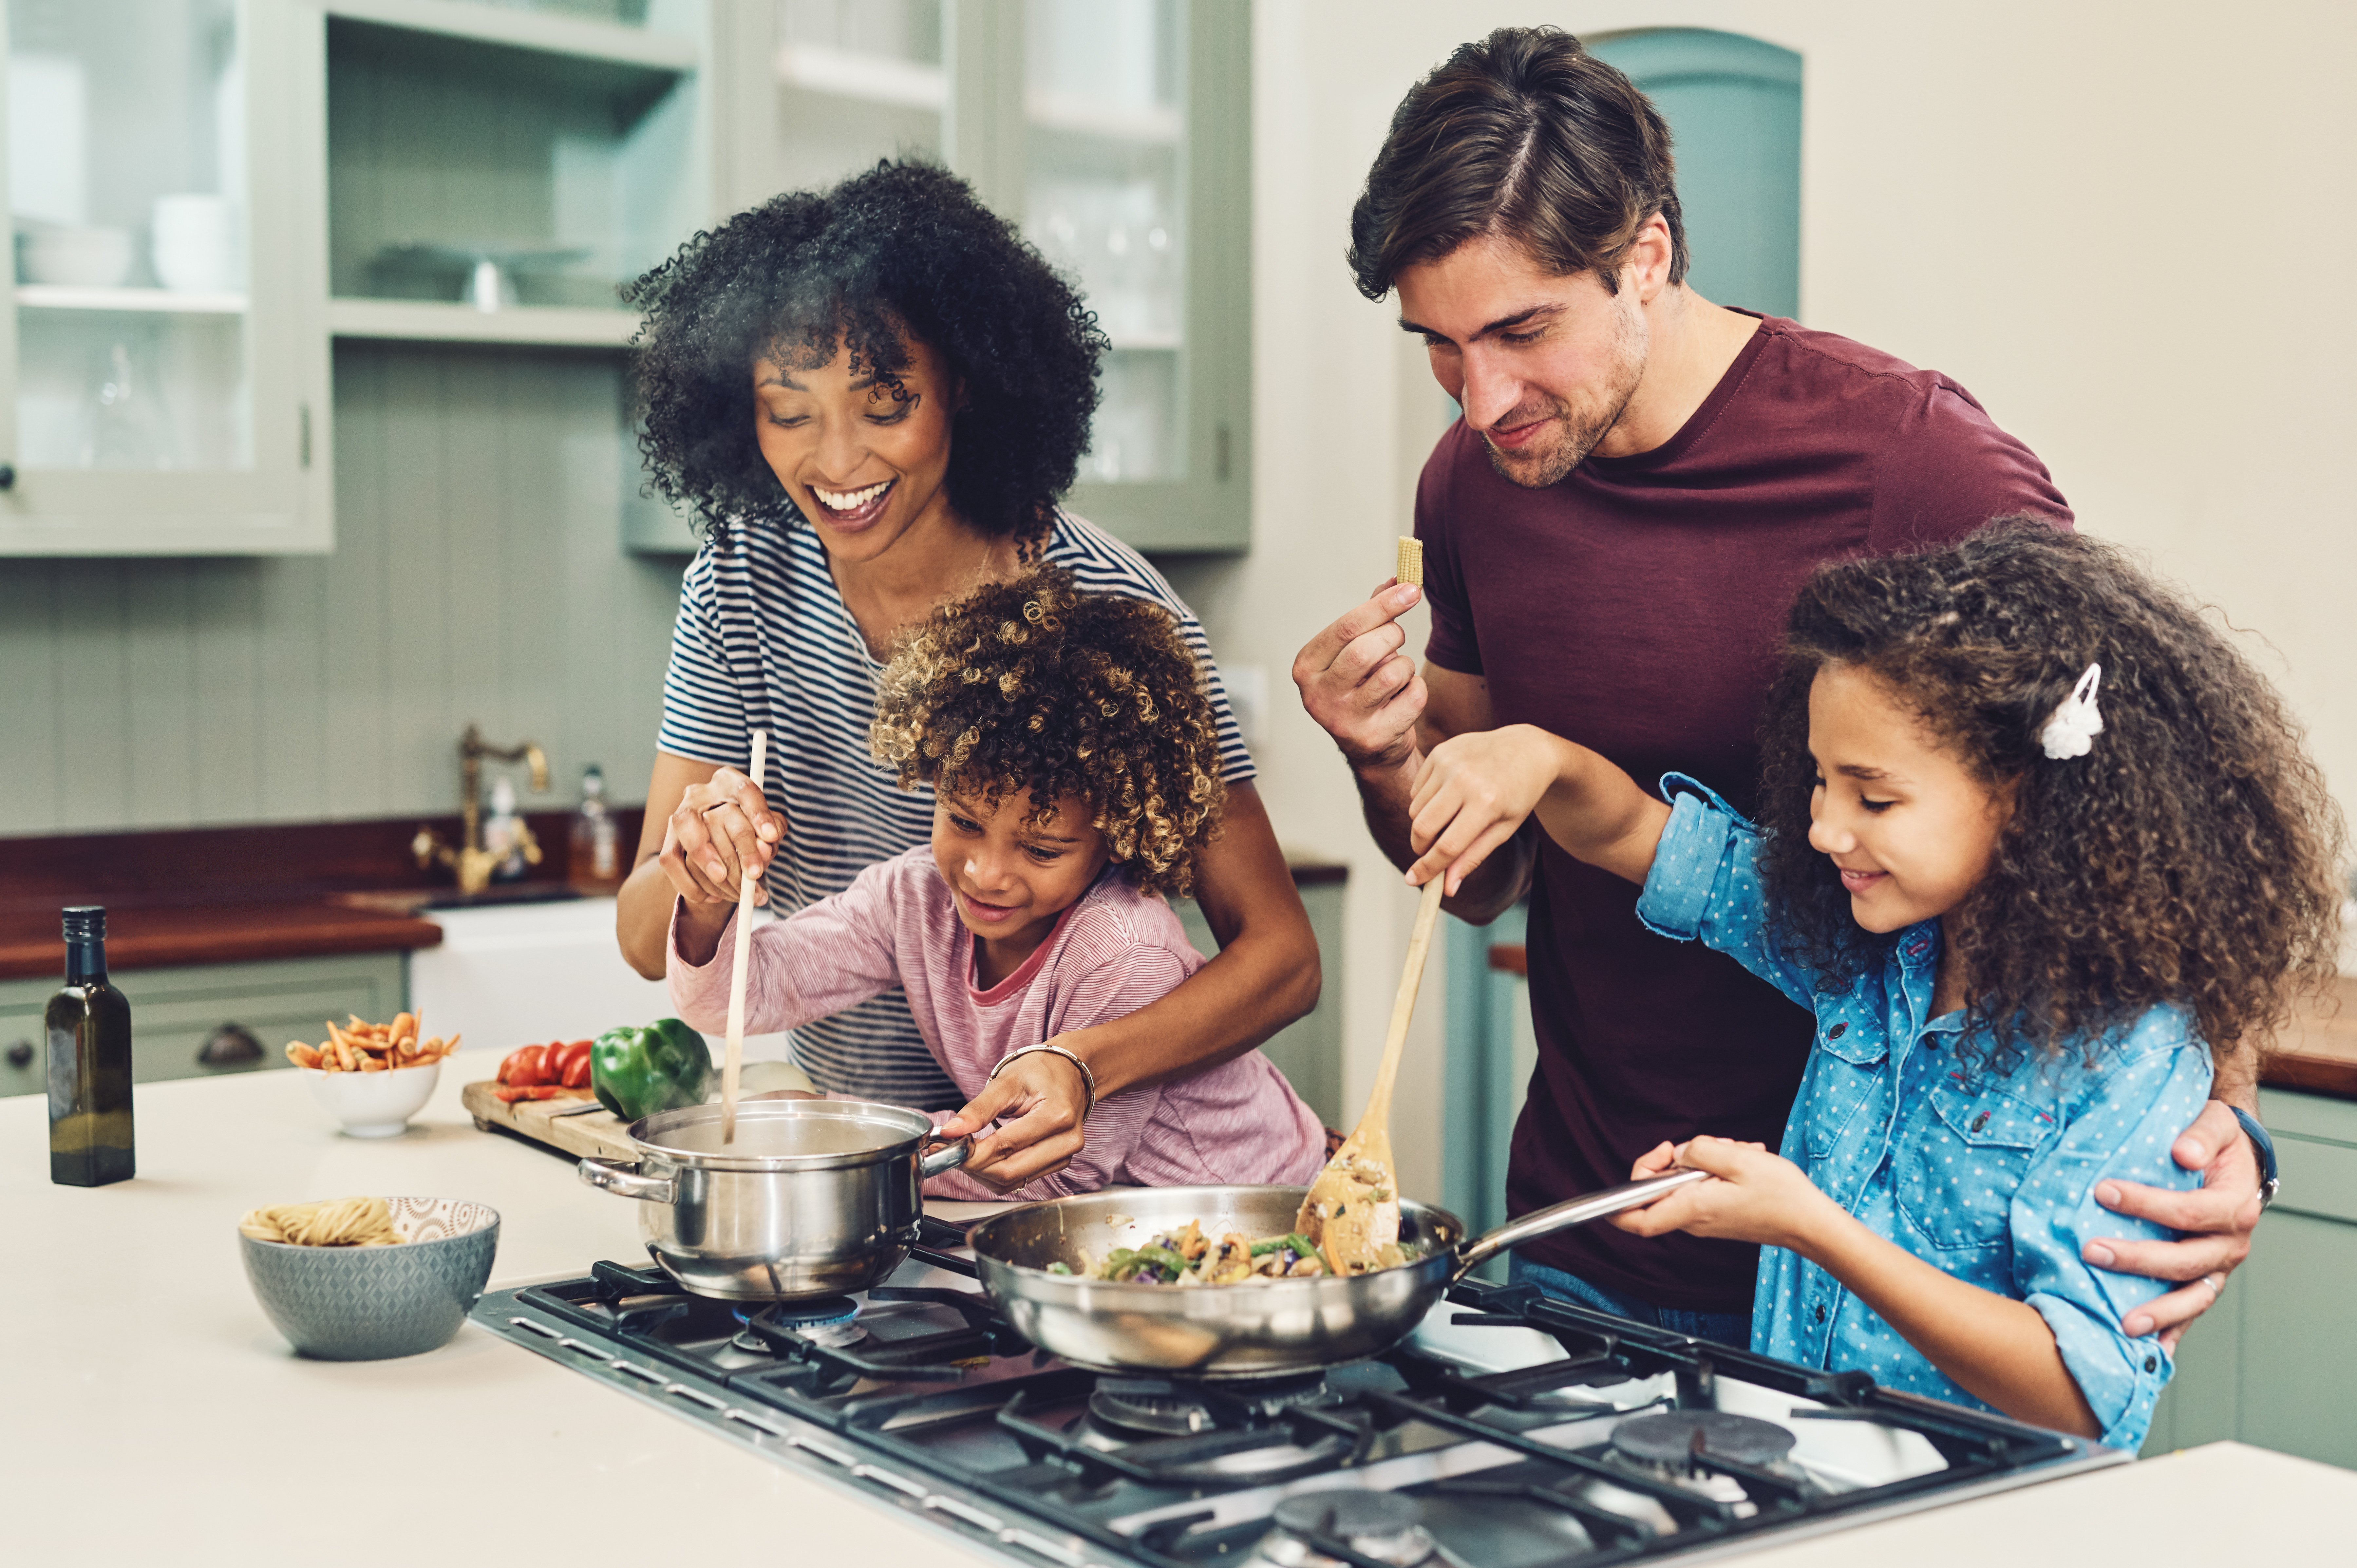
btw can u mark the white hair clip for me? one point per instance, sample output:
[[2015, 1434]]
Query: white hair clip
[[2072, 730]]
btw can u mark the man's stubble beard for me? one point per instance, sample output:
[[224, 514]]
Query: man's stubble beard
[[1575, 435]]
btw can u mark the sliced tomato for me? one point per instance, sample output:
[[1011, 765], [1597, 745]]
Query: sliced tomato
[[513, 1092], [573, 1065]]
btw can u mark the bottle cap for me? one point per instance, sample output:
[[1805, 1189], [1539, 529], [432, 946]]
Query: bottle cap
[[85, 922]]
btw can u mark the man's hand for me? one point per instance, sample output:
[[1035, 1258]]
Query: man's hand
[[1360, 687], [1759, 1197], [1040, 1098], [1471, 795], [2214, 1224]]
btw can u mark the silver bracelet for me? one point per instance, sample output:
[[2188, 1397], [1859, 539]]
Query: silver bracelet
[[1088, 1078]]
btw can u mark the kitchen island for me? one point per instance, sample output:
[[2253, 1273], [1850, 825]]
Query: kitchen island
[[153, 1412]]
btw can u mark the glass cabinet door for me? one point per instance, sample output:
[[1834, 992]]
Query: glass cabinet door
[[150, 357], [1137, 183], [857, 81]]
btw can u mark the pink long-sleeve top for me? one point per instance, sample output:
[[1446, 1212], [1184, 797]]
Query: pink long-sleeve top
[[1111, 953]]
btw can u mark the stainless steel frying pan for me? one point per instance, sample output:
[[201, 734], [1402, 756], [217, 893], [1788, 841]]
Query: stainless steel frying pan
[[1244, 1330]]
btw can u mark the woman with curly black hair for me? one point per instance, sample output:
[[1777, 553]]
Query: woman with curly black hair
[[871, 397], [1071, 757], [2039, 847]]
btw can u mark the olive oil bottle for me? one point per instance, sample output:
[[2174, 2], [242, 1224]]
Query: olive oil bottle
[[90, 1063]]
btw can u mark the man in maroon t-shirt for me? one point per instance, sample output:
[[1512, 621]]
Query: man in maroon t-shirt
[[1612, 533]]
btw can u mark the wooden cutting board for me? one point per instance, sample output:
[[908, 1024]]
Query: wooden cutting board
[[599, 1133]]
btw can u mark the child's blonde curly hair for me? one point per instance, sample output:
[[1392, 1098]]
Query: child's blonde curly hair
[[1033, 685]]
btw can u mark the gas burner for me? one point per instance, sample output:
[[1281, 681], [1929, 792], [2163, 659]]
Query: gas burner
[[831, 1321], [1682, 1441], [1384, 1526], [1163, 1407]]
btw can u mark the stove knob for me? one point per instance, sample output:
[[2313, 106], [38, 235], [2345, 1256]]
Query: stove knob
[[20, 1054]]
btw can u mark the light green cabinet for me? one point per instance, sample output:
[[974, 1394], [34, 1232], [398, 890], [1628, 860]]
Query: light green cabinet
[[163, 378], [1308, 1052], [174, 1011], [2269, 1365]]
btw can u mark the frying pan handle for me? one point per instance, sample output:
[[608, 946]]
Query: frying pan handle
[[948, 1157], [1472, 1254]]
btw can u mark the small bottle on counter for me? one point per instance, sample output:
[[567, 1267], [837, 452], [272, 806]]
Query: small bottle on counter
[[88, 1026], [596, 857], [503, 832]]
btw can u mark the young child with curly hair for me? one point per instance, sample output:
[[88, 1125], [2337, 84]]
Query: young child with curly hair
[[1074, 760], [2038, 846]]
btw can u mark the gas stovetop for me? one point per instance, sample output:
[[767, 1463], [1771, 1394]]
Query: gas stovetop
[[1509, 1430]]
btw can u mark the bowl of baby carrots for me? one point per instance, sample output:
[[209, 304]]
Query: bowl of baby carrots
[[372, 1078]]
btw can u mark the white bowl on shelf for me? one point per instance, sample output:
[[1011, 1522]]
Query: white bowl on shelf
[[74, 257], [373, 1104]]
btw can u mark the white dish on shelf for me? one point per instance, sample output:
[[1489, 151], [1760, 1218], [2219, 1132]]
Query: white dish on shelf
[[77, 257]]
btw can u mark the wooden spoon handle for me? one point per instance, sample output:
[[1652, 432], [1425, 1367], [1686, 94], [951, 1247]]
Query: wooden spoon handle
[[733, 1063], [1419, 944]]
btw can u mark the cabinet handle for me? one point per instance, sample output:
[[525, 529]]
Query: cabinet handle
[[7, 476], [20, 1054], [229, 1046]]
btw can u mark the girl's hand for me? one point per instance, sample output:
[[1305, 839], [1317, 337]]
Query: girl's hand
[[1759, 1197], [1472, 793], [1040, 1098], [720, 828]]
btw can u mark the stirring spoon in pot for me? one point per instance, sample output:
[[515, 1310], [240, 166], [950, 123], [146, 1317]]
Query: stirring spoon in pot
[[733, 1063]]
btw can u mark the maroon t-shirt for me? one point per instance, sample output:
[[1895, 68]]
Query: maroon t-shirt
[[1635, 608]]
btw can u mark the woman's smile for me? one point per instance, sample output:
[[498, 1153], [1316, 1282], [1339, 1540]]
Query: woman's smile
[[853, 509]]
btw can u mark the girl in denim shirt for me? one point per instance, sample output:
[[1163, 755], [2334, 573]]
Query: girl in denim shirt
[[2036, 844]]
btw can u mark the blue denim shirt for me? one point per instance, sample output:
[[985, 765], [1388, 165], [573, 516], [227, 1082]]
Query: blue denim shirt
[[1989, 1176]]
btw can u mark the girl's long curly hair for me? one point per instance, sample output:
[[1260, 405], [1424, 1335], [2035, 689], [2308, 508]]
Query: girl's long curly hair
[[902, 250], [2193, 856], [1032, 685]]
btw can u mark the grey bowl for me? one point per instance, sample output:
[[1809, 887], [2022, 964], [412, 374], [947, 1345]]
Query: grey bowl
[[370, 1304]]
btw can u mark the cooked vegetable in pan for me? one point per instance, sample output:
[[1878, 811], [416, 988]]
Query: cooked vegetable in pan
[[1187, 1257]]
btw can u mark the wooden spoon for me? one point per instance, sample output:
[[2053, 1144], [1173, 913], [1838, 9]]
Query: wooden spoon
[[1352, 1209], [733, 1063]]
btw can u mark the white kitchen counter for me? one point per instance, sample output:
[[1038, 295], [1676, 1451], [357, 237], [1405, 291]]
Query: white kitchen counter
[[152, 1414]]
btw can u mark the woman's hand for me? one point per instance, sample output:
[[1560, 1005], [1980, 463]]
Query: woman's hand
[[719, 829], [1759, 1197], [1472, 794], [1041, 1098]]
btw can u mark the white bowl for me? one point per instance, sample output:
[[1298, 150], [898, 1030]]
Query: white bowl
[[83, 258], [373, 1104]]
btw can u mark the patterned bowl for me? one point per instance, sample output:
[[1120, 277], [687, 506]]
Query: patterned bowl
[[369, 1303]]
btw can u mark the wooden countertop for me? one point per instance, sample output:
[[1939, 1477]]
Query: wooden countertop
[[155, 936], [2317, 1053]]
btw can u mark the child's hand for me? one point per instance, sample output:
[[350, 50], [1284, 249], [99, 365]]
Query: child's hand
[[1759, 1197], [1473, 791]]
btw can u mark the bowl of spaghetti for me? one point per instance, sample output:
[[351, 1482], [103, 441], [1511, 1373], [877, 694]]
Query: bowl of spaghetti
[[364, 1279]]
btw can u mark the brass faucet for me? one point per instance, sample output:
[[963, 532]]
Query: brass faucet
[[469, 859]]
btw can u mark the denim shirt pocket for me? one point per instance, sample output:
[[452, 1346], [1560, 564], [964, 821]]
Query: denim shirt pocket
[[1965, 1161], [1849, 1064]]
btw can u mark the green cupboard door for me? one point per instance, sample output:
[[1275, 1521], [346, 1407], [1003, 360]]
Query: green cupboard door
[[1734, 108]]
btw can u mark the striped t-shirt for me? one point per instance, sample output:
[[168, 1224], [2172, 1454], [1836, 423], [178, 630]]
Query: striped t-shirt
[[764, 641]]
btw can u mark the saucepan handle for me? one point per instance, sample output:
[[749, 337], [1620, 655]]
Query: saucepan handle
[[607, 1176], [948, 1157], [1472, 1256]]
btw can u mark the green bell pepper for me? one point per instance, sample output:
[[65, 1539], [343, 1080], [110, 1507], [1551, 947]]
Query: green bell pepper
[[637, 1072]]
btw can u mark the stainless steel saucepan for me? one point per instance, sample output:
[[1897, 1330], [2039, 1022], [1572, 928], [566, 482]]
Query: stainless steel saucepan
[[1242, 1331], [814, 1198]]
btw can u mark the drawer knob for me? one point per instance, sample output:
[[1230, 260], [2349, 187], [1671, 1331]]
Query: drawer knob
[[20, 1054], [229, 1046]]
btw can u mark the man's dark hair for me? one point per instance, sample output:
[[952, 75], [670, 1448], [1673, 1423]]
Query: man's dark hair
[[902, 248], [1525, 136]]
